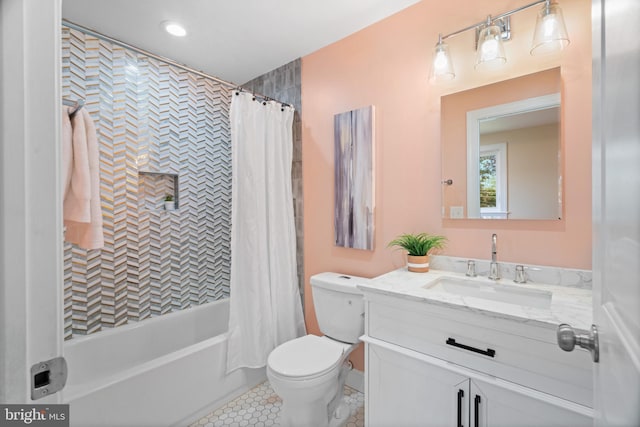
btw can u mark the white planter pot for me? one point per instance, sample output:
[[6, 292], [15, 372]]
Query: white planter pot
[[169, 206]]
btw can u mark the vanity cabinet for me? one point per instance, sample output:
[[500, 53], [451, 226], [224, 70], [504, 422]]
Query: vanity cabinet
[[429, 365], [403, 390]]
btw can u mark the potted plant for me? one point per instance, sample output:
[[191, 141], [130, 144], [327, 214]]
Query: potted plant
[[169, 204], [418, 247]]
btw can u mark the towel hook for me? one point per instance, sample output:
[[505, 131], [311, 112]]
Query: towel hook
[[77, 105]]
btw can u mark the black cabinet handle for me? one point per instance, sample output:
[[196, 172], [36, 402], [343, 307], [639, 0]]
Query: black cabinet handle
[[476, 410], [488, 352], [460, 396]]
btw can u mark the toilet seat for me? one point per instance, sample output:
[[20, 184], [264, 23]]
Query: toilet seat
[[306, 357]]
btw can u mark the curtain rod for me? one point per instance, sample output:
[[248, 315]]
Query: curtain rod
[[120, 43]]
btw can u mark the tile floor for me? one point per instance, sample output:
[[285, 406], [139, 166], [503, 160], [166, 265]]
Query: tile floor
[[260, 407]]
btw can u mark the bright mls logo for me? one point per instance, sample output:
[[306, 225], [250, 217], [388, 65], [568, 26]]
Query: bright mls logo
[[36, 415]]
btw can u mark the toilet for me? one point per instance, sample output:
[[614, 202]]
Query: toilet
[[309, 372]]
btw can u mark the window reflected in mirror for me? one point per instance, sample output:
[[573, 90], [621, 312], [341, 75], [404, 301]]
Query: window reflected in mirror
[[493, 180]]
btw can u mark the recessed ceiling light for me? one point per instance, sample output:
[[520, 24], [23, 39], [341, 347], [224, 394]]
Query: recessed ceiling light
[[174, 28]]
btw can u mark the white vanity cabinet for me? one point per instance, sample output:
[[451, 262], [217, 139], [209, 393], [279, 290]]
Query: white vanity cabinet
[[429, 365], [403, 390], [406, 388]]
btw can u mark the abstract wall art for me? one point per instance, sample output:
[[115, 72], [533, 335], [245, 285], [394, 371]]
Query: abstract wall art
[[354, 178]]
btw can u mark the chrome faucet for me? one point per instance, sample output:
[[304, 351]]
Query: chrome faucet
[[471, 268], [494, 268], [521, 276]]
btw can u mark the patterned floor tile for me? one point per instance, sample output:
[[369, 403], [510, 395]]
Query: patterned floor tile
[[260, 407]]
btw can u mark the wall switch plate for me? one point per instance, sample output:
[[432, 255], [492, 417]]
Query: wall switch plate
[[456, 212]]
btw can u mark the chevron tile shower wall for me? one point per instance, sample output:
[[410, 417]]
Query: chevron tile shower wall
[[151, 117]]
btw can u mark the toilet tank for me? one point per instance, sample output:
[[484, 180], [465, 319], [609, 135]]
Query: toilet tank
[[339, 305]]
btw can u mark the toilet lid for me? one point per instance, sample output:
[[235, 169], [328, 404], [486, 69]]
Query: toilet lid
[[307, 356]]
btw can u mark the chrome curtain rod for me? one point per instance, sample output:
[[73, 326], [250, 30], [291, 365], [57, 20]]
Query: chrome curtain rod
[[494, 18], [120, 43]]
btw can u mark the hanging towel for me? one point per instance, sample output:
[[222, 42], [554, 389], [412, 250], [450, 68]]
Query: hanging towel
[[77, 201], [82, 206], [67, 152]]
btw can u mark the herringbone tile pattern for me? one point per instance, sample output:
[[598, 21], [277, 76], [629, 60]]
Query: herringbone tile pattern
[[151, 117]]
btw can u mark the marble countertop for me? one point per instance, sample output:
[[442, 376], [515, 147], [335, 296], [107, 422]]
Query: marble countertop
[[568, 304]]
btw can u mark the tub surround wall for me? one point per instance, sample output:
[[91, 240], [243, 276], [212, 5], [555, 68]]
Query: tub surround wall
[[150, 117], [387, 65], [283, 84]]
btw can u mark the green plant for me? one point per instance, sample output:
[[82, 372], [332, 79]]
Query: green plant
[[419, 244], [168, 198]]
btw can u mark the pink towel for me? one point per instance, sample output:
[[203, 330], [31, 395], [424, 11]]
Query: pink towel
[[67, 152], [77, 201], [82, 206]]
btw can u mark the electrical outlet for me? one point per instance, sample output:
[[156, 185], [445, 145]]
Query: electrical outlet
[[456, 212]]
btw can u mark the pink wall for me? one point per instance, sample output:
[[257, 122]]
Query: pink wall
[[387, 65]]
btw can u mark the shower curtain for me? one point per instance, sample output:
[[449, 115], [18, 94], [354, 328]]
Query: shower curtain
[[265, 306]]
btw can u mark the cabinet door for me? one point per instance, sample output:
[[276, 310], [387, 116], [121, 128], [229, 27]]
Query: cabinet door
[[405, 391], [491, 405]]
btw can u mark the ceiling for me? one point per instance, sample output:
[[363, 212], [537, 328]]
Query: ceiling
[[235, 40], [545, 116]]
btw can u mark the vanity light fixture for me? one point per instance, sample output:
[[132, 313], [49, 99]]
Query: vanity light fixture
[[442, 65], [174, 28], [490, 50], [550, 35]]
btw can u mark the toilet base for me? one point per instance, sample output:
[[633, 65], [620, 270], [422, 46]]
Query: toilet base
[[314, 416], [311, 415], [322, 412], [340, 415]]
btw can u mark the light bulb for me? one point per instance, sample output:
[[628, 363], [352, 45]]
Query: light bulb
[[442, 67], [441, 63], [490, 48], [549, 26]]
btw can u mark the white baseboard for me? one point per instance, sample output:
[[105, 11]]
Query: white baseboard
[[355, 380]]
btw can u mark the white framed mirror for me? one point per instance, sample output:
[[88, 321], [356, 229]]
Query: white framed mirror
[[513, 160], [502, 150]]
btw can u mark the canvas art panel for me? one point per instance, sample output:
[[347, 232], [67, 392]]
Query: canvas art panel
[[354, 178]]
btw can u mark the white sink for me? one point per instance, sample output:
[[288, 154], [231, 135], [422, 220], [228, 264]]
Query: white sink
[[510, 294]]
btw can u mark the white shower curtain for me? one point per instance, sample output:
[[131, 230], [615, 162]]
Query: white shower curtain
[[265, 306]]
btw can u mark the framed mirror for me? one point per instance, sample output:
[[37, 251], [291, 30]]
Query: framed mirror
[[501, 147]]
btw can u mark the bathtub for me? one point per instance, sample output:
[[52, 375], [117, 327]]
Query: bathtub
[[164, 371]]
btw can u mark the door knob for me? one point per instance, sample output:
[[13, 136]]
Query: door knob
[[567, 340]]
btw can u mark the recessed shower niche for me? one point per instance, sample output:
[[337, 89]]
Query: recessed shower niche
[[154, 187]]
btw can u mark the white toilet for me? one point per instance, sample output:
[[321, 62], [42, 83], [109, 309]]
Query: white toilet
[[309, 372]]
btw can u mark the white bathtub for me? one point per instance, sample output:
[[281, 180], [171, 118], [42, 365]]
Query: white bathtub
[[165, 371]]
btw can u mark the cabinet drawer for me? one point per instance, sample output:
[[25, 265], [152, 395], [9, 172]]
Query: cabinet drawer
[[518, 352]]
